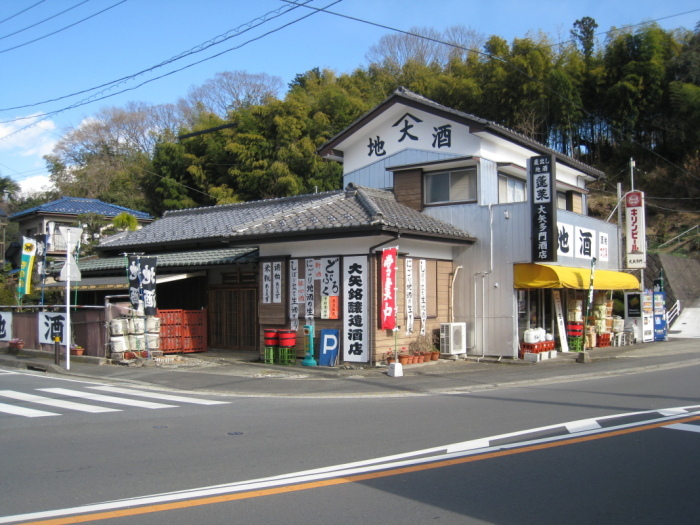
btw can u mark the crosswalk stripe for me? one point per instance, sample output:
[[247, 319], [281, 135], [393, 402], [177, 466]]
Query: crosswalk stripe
[[106, 399], [26, 412], [156, 395], [59, 403]]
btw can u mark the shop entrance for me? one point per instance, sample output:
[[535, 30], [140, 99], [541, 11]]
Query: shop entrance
[[232, 318]]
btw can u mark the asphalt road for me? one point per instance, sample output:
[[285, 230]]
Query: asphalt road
[[76, 458]]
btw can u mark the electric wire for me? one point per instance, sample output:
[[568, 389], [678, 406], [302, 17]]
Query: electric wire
[[62, 29], [44, 20], [44, 116], [197, 49], [22, 11]]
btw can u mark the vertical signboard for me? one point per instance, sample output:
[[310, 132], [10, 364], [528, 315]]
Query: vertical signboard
[[543, 208], [142, 283], [25, 273], [408, 267], [356, 340], [388, 278], [5, 326], [635, 230]]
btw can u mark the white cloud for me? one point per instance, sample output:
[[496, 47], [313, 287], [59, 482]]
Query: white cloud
[[38, 183]]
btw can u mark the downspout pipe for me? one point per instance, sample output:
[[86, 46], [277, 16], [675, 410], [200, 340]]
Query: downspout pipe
[[483, 286]]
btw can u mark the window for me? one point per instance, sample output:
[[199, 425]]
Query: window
[[511, 189], [451, 186], [561, 200]]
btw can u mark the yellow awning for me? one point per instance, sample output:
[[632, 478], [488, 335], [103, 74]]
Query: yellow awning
[[530, 275]]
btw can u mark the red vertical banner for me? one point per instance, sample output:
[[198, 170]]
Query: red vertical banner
[[388, 313]]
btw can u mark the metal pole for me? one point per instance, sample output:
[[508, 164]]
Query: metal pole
[[68, 334]]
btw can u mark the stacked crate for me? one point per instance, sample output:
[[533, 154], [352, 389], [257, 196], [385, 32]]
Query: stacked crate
[[183, 331]]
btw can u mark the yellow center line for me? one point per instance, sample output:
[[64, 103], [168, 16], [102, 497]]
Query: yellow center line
[[349, 479]]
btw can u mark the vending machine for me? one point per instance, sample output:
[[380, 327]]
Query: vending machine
[[639, 315], [660, 320]]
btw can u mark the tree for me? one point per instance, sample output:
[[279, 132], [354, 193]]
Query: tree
[[232, 90], [9, 189]]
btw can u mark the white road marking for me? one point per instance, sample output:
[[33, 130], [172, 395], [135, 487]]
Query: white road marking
[[345, 470], [106, 399], [157, 395], [70, 405], [26, 412], [684, 426]]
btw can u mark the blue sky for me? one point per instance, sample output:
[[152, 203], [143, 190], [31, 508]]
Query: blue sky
[[111, 39]]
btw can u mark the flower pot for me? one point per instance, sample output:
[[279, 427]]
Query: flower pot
[[389, 360], [434, 356], [77, 351], [403, 360], [420, 358], [16, 346]]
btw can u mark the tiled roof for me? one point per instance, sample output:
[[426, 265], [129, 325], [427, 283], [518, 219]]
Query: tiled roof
[[355, 210], [175, 259], [77, 206]]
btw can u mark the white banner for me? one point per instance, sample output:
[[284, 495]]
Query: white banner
[[408, 269], [293, 294], [356, 340], [277, 282], [585, 243], [330, 283], [309, 291], [423, 297], [603, 247], [267, 282]]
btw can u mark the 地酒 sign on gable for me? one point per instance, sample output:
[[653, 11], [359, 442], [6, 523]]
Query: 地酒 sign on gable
[[410, 130]]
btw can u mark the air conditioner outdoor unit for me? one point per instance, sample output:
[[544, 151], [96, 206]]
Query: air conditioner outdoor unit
[[453, 338]]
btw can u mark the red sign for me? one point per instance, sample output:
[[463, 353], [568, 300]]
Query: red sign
[[388, 313]]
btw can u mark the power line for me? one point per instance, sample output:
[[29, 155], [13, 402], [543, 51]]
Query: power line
[[44, 20], [62, 29], [219, 39], [90, 100], [22, 11]]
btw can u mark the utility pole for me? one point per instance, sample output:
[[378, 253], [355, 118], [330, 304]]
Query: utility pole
[[632, 173]]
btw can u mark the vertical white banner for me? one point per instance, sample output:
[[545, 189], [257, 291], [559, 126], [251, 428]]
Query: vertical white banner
[[423, 297], [408, 270], [293, 294], [309, 291], [267, 282], [277, 282], [356, 340], [603, 247]]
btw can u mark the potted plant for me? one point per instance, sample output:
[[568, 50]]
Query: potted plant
[[389, 357], [403, 356], [16, 344], [76, 350]]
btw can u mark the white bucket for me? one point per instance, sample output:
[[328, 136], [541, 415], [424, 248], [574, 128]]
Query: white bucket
[[137, 325], [117, 327], [137, 342], [152, 324], [532, 335], [152, 341], [118, 344]]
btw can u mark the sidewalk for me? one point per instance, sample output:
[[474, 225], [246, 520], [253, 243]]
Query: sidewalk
[[239, 373]]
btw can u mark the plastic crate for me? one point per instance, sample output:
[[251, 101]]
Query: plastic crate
[[603, 340], [575, 344]]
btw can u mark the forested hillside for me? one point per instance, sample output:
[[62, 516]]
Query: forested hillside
[[633, 94]]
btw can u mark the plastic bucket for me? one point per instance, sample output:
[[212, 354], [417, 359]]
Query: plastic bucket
[[118, 344], [287, 338], [574, 329], [117, 327], [152, 324], [270, 337]]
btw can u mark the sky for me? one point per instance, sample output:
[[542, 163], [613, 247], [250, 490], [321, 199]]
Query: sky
[[55, 53]]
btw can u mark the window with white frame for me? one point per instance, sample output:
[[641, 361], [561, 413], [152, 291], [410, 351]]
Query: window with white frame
[[511, 189], [451, 186]]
